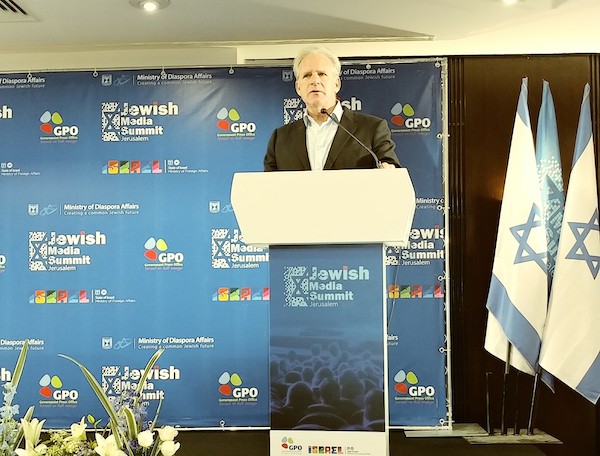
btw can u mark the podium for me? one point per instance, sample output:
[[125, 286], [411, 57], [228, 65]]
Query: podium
[[326, 232]]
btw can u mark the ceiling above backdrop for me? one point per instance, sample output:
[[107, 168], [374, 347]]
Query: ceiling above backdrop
[[76, 25]]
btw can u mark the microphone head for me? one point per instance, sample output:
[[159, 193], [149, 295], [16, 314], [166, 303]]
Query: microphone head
[[323, 111]]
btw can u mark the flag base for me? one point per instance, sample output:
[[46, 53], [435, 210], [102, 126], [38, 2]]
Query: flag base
[[457, 430], [538, 437]]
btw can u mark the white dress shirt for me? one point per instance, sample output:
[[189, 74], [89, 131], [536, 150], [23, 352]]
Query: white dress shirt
[[320, 137]]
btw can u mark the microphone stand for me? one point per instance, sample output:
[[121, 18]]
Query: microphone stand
[[332, 117]]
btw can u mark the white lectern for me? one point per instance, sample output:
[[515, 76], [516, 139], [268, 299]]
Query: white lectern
[[328, 341]]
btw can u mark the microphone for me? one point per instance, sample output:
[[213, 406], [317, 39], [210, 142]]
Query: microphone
[[333, 117]]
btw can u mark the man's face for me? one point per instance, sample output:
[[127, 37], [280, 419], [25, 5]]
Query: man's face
[[317, 83]]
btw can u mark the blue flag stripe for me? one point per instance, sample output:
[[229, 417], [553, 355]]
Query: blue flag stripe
[[517, 328], [522, 110], [589, 386], [584, 129]]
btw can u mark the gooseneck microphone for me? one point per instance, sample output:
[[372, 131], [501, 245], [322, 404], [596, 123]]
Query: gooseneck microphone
[[333, 117]]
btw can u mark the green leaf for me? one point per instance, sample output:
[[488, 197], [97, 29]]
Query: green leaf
[[104, 400], [27, 417], [156, 414], [132, 429], [145, 373], [20, 364]]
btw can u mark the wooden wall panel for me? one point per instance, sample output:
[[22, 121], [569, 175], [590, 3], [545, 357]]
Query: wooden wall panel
[[483, 94]]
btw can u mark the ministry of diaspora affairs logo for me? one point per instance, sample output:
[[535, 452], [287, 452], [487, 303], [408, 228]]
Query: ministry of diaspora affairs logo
[[53, 127], [232, 389], [403, 116], [229, 251], [156, 251], [229, 121], [407, 385]]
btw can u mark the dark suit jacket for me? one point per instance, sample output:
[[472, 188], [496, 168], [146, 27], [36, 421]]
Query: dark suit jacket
[[287, 147]]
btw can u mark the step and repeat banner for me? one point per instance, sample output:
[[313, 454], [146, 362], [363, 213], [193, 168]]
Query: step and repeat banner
[[117, 238]]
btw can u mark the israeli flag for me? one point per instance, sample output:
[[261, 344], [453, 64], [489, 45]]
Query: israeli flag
[[518, 295], [550, 173], [571, 342]]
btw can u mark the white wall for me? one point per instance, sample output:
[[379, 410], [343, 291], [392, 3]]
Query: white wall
[[568, 33]]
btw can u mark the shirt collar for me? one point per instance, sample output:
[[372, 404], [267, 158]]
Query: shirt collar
[[338, 111]]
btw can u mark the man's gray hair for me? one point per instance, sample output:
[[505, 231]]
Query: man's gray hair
[[305, 52]]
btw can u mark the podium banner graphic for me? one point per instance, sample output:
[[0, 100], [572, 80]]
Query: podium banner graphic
[[118, 237]]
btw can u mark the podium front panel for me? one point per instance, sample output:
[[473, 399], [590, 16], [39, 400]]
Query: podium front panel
[[327, 342]]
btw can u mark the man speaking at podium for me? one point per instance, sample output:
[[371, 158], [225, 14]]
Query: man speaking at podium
[[328, 136]]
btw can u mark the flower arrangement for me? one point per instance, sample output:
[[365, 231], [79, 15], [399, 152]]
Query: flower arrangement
[[128, 432], [11, 432]]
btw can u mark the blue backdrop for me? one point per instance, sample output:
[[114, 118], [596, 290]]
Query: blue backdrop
[[118, 237]]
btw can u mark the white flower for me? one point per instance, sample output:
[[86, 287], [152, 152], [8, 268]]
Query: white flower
[[78, 429], [167, 433], [145, 438], [169, 448], [32, 430], [30, 450], [108, 446]]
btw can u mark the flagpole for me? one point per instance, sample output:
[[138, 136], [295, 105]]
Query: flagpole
[[490, 428], [536, 381], [516, 428], [505, 389]]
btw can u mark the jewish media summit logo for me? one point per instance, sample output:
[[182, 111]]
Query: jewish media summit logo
[[408, 387], [407, 121], [318, 287], [159, 257], [2, 263], [54, 393], [231, 125], [51, 251], [426, 246], [233, 390], [135, 122], [117, 380], [53, 127], [228, 250]]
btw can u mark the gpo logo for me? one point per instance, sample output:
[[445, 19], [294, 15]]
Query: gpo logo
[[229, 120], [51, 387], [403, 115], [420, 391], [407, 383], [52, 123], [417, 122]]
